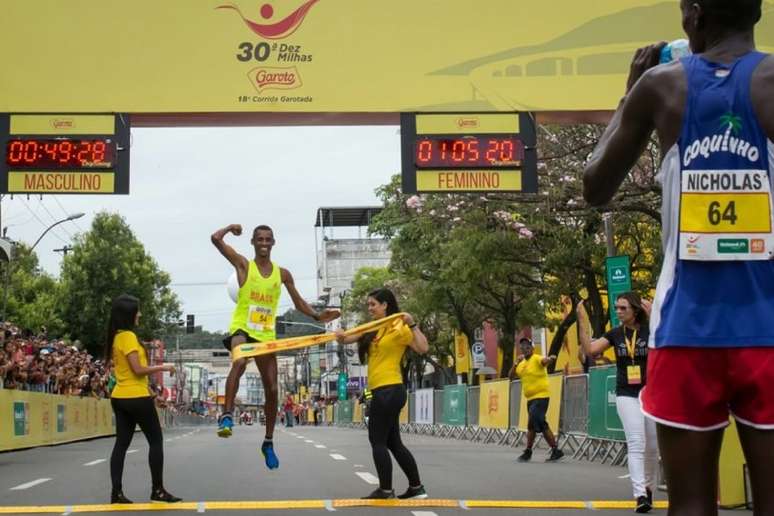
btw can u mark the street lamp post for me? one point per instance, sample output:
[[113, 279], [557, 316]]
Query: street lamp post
[[69, 218], [8, 268]]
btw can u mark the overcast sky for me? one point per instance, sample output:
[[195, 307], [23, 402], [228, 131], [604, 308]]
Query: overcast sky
[[187, 182]]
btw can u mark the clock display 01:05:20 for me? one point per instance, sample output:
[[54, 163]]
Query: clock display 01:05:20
[[470, 151], [60, 153]]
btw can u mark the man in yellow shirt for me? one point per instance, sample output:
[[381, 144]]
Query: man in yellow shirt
[[531, 370]]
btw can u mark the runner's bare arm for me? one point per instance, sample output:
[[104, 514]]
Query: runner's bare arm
[[628, 132], [301, 305], [239, 262]]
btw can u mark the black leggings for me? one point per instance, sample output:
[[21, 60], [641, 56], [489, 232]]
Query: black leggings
[[130, 412], [384, 434]]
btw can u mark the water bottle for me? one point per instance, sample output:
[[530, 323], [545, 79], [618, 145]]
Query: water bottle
[[674, 51]]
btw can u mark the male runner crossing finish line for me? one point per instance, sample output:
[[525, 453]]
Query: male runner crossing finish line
[[253, 321]]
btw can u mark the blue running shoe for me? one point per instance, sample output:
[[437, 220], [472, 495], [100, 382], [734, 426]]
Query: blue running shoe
[[272, 462], [225, 425]]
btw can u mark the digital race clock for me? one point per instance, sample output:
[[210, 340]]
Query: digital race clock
[[57, 153], [63, 153], [468, 152]]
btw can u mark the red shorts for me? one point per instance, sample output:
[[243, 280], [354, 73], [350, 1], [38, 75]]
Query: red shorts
[[697, 388]]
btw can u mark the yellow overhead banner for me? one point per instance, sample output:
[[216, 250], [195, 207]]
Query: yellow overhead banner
[[146, 56]]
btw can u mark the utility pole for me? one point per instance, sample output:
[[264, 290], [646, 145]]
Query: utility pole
[[64, 249]]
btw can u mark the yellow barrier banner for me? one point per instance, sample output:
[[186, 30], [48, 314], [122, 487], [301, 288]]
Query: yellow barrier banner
[[254, 349], [555, 383], [493, 404], [329, 413], [29, 419], [357, 413], [461, 353], [343, 56]]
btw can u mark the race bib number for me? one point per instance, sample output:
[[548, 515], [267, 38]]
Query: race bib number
[[634, 375], [725, 215], [260, 318]]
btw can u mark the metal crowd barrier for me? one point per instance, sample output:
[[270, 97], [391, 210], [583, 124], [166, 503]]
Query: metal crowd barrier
[[574, 417], [574, 431], [474, 393]]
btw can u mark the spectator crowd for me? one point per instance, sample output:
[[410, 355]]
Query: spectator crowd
[[34, 363]]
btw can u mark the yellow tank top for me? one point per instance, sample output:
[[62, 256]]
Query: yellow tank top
[[257, 303]]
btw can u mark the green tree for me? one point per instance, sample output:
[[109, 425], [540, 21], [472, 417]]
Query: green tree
[[509, 258], [32, 294], [106, 261]]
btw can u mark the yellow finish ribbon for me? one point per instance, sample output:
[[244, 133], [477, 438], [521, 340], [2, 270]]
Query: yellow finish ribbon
[[255, 349]]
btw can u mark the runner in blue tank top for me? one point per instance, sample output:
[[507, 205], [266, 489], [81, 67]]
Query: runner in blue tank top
[[713, 113]]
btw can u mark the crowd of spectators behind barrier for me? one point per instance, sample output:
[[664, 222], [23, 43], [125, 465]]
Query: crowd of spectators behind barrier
[[32, 362]]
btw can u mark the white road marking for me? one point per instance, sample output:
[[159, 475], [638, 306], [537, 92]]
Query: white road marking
[[168, 440], [319, 446], [358, 466], [336, 456], [308, 441], [368, 477], [624, 476], [132, 451], [94, 462], [423, 513], [300, 437], [30, 484]]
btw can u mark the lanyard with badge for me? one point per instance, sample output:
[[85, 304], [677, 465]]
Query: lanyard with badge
[[725, 215], [634, 371]]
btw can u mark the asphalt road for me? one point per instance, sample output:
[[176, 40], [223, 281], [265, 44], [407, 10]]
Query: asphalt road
[[322, 470]]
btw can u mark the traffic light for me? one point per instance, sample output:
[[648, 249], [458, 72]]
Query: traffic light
[[189, 323]]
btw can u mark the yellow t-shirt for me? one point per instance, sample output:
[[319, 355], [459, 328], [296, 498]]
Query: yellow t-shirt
[[128, 384], [385, 353], [534, 377]]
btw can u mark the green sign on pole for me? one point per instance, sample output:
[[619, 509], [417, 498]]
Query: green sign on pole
[[342, 385], [619, 280], [454, 405]]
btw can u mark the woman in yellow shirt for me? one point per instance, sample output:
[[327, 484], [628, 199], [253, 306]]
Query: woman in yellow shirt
[[383, 350], [132, 400]]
